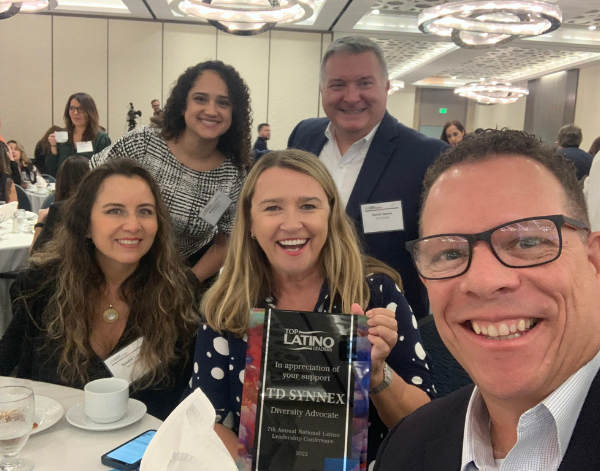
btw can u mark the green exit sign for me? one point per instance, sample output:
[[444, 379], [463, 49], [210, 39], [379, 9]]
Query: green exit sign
[[443, 110]]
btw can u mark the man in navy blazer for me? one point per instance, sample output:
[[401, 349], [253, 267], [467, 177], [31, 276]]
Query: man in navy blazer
[[513, 276], [378, 164]]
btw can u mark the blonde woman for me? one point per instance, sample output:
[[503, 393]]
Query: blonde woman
[[294, 248], [30, 175]]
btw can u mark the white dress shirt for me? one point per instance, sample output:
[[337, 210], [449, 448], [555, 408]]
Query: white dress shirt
[[543, 432], [345, 168]]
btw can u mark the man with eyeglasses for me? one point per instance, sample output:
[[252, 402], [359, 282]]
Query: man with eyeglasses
[[513, 277]]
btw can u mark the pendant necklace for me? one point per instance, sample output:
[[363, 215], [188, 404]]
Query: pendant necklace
[[111, 315]]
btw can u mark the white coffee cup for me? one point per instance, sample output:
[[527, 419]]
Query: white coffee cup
[[106, 400], [61, 136], [51, 186]]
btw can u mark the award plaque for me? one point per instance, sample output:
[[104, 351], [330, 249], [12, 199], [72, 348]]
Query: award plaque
[[305, 404]]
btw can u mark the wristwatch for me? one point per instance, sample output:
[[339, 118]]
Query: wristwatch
[[387, 380]]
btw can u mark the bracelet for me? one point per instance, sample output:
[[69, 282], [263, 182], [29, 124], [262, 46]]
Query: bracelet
[[54, 147], [39, 224], [387, 380]]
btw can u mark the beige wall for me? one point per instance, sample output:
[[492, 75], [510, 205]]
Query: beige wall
[[401, 105], [121, 61], [587, 106]]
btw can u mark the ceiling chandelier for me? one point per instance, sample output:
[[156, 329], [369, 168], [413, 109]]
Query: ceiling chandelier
[[246, 17], [492, 92], [10, 9], [395, 85], [480, 24]]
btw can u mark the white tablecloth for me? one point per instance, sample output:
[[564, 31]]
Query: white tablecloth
[[14, 254], [37, 200], [63, 447]]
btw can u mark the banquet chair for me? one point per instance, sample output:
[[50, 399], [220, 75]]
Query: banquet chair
[[48, 178], [48, 201], [23, 199], [446, 372]]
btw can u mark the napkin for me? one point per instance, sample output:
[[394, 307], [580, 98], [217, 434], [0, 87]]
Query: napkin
[[7, 211], [186, 441]]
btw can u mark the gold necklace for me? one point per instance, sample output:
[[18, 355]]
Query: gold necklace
[[111, 315]]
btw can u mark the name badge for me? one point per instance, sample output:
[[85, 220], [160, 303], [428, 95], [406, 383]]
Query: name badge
[[124, 364], [382, 217], [215, 208], [85, 147]]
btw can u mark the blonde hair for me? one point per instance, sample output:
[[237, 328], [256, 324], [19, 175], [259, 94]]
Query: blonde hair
[[247, 279], [25, 160]]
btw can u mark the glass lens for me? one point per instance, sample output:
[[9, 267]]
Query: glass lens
[[442, 256], [73, 109], [525, 243]]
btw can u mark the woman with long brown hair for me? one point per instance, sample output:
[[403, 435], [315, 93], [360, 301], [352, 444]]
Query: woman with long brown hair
[[110, 279], [8, 193], [84, 134]]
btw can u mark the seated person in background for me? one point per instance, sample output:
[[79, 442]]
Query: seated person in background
[[264, 134], [569, 139], [512, 275], [294, 248], [453, 133], [30, 175], [69, 175], [11, 167], [110, 277], [8, 193], [42, 149]]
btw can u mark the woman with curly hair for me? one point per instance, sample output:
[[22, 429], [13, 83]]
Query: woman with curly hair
[[198, 158], [85, 136], [110, 279]]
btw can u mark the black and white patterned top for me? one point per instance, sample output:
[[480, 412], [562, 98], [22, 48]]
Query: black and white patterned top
[[220, 359], [185, 191]]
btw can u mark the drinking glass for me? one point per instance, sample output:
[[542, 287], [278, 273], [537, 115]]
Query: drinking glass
[[17, 410]]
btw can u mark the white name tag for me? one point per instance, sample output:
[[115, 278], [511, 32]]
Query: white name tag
[[215, 208], [382, 217], [124, 364], [85, 147]]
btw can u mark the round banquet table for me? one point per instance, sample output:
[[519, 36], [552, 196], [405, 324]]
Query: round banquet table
[[63, 447], [14, 255], [37, 199]]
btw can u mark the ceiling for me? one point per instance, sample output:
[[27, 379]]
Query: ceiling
[[412, 56]]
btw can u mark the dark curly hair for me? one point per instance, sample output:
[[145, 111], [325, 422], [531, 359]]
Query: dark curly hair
[[236, 143], [493, 143]]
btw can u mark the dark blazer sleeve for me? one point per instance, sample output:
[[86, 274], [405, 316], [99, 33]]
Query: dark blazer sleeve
[[428, 439], [292, 139]]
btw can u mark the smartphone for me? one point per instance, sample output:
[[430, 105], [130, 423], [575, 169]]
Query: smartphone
[[128, 456]]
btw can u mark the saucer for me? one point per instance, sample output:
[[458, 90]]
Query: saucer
[[47, 413], [76, 417]]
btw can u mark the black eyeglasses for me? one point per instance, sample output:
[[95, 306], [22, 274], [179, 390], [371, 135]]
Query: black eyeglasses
[[522, 243], [78, 109]]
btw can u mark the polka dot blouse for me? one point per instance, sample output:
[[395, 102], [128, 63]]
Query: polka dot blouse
[[219, 360]]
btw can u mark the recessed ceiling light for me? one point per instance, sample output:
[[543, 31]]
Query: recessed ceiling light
[[592, 28], [454, 77], [375, 12], [482, 79]]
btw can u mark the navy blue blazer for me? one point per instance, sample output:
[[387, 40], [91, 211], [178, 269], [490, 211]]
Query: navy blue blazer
[[431, 438], [393, 170]]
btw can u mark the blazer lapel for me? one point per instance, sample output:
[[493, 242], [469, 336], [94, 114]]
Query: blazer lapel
[[376, 160], [583, 452], [315, 141], [445, 452]]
